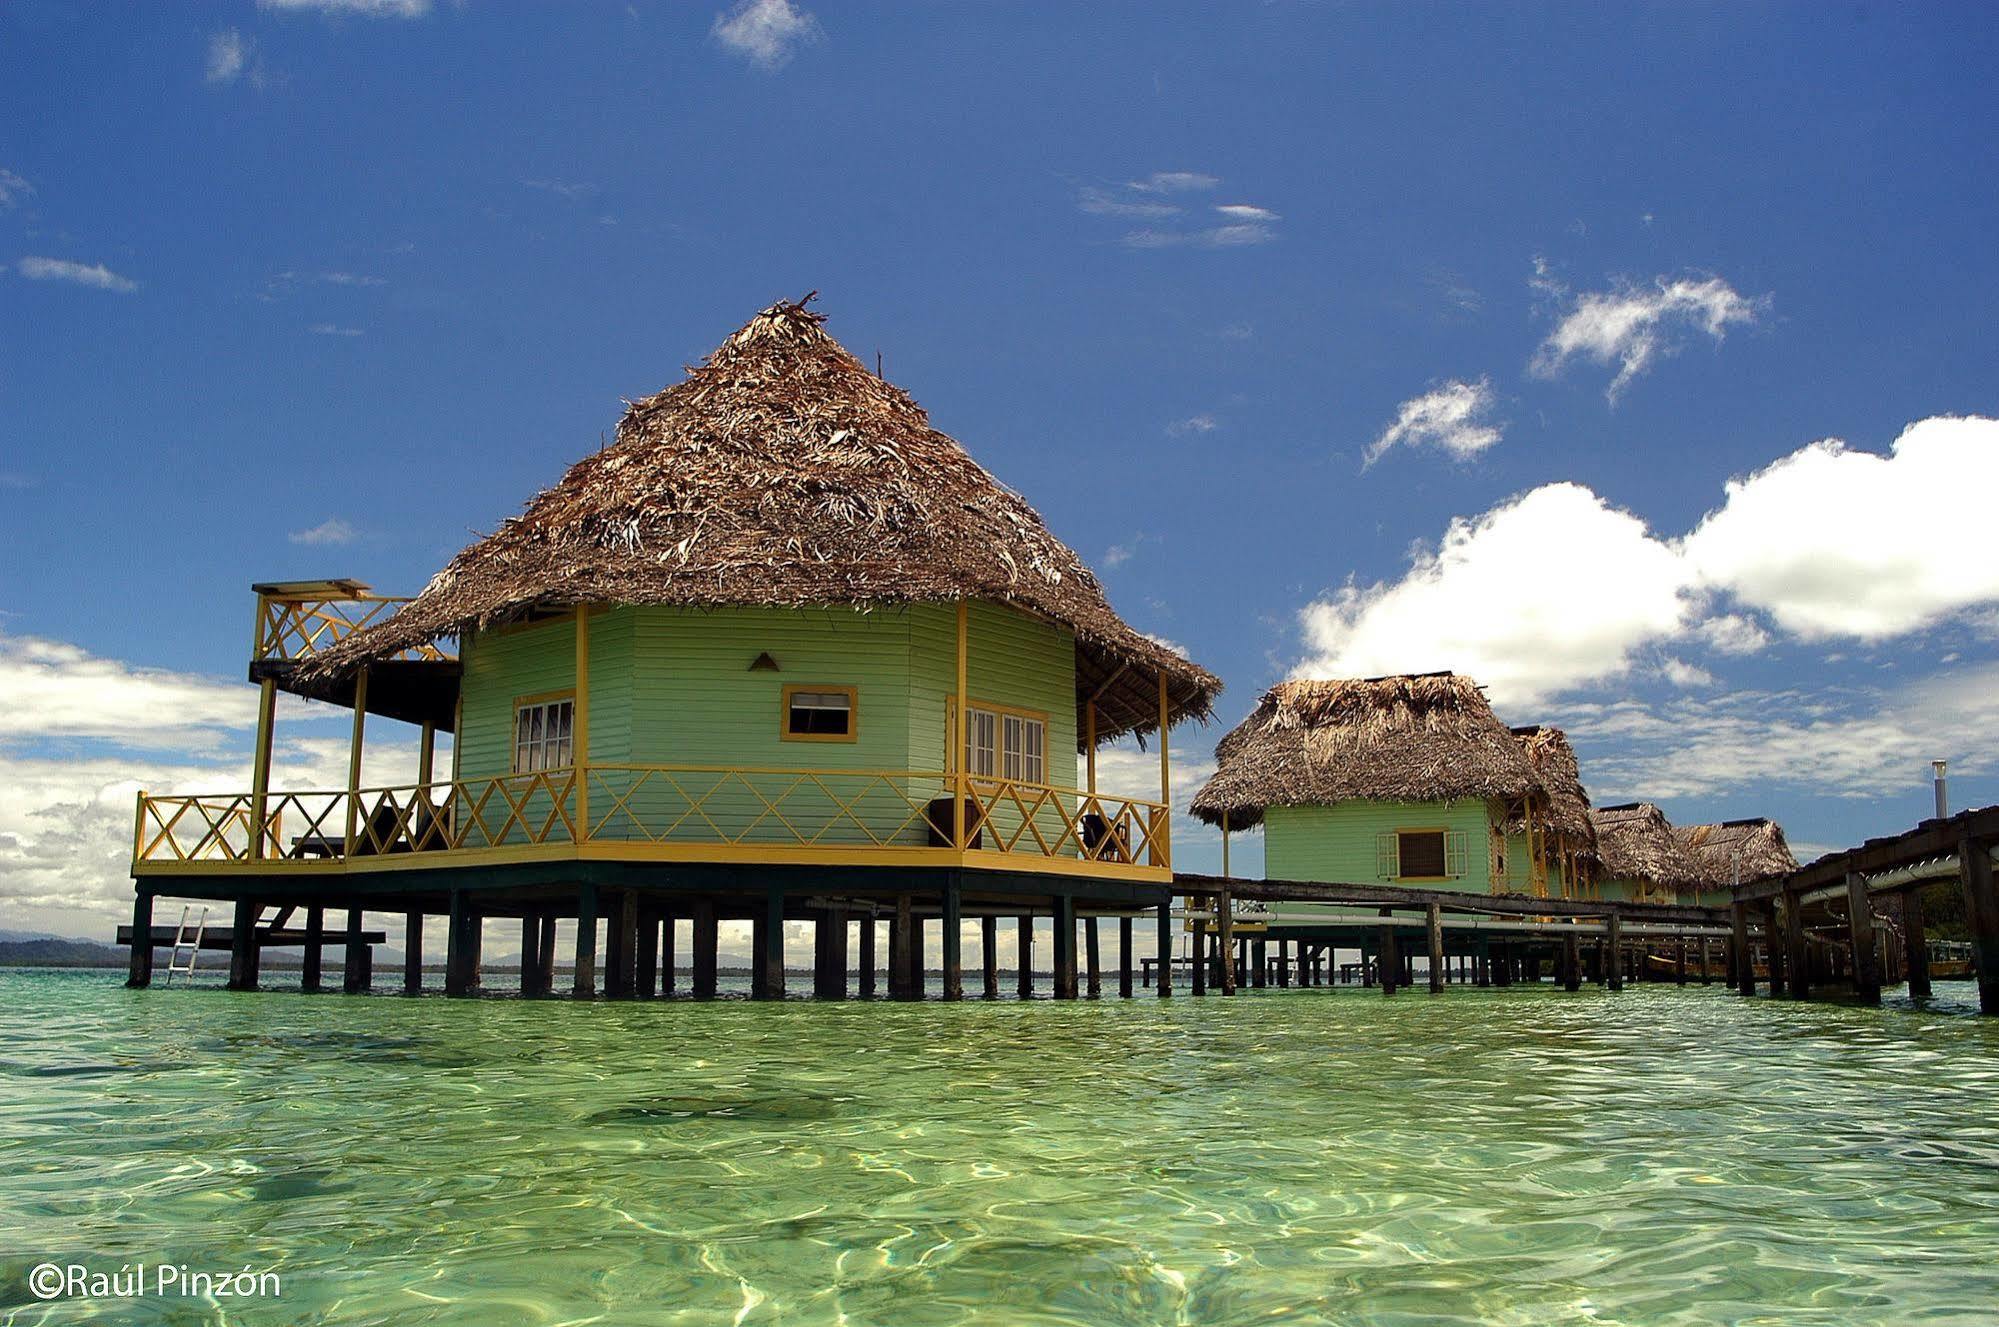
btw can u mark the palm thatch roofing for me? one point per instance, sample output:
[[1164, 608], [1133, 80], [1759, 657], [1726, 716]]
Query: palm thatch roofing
[[1566, 811], [1636, 842], [1412, 737], [782, 471], [1737, 851]]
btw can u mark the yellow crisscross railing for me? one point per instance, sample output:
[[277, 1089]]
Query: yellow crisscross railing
[[295, 627], [678, 805]]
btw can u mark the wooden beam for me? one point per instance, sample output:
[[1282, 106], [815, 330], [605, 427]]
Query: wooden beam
[[1124, 933], [412, 953], [1454, 901], [1165, 949], [260, 768], [1741, 964], [584, 985], [1981, 907], [1433, 917], [354, 757], [1915, 944], [139, 969], [1860, 931], [989, 954], [705, 942], [953, 939], [1025, 977]]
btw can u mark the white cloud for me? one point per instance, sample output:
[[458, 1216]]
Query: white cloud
[[768, 32], [1632, 326], [358, 8], [1201, 423], [1483, 602], [1685, 675], [333, 329], [1835, 542], [1450, 417], [1164, 643], [95, 275], [1826, 543], [50, 688], [1247, 212], [228, 53], [1119, 554], [331, 531], [1174, 182], [13, 189], [1104, 203], [1210, 237]]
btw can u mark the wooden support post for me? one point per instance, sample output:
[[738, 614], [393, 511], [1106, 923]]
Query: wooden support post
[[1065, 947], [1741, 959], [413, 952], [645, 955], [1124, 934], [1860, 931], [1433, 917], [904, 978], [585, 983], [1165, 948], [1162, 843], [628, 944], [1981, 909], [1773, 946], [953, 940], [1259, 963], [867, 964], [1025, 977], [313, 960], [1225, 939], [772, 951], [353, 955], [704, 937], [530, 955], [354, 745], [1797, 966], [1707, 973], [1093, 971], [1198, 966], [457, 936], [1614, 979], [1679, 960], [1391, 959], [989, 955], [260, 769], [1915, 944], [1572, 963], [669, 964], [245, 951], [1283, 964], [139, 964]]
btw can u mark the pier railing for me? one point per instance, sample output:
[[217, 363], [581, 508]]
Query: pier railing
[[685, 812], [296, 623]]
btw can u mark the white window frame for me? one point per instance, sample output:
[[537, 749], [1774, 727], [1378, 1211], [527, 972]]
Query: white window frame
[[544, 734], [1010, 745]]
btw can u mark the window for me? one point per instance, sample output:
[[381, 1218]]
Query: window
[[819, 714], [1420, 854], [542, 734], [1008, 744]]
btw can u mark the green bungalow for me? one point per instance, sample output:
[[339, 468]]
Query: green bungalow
[[781, 650], [1402, 780]]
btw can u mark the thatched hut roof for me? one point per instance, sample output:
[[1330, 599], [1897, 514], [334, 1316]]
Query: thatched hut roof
[[1422, 737], [1555, 765], [784, 472], [1636, 842], [1737, 851]]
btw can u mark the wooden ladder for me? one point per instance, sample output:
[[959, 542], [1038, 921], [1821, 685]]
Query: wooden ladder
[[181, 941]]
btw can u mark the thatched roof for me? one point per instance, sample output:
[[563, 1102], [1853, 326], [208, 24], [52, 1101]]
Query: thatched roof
[[1636, 842], [1423, 737], [1737, 851], [1554, 763], [784, 472]]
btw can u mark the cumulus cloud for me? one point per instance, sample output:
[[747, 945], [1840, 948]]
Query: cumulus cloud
[[54, 689], [1633, 326], [1826, 543], [1685, 675], [1450, 417], [330, 532], [767, 32], [13, 189], [95, 275]]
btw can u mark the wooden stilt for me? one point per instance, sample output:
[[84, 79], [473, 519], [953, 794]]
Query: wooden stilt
[[1259, 963], [1198, 968], [1065, 947], [243, 947], [1165, 948], [413, 952], [1283, 964], [1679, 960], [1981, 908], [584, 984], [1124, 934], [867, 956], [1433, 919], [1093, 960], [645, 955], [1025, 977], [1225, 939], [457, 934], [139, 963], [530, 955], [989, 955], [669, 965], [953, 930], [1741, 960], [1915, 944], [704, 937], [1773, 946], [315, 949], [1614, 979], [1572, 964], [1707, 966], [354, 956], [1860, 931], [904, 978], [771, 951], [1797, 968]]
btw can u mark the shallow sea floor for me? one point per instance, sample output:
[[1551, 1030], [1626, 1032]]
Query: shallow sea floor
[[1522, 1156]]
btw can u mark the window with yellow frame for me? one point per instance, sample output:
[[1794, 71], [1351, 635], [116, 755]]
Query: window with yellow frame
[[820, 713], [1005, 742]]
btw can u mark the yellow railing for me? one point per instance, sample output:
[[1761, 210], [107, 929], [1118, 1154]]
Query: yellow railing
[[293, 627], [674, 806]]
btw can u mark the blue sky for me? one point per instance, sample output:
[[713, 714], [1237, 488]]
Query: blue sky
[[295, 289]]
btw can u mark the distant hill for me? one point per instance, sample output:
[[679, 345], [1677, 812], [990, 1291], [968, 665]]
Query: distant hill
[[53, 953]]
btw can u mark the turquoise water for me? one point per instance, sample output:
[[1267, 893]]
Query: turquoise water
[[1522, 1156]]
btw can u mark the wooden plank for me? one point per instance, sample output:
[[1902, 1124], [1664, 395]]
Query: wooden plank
[[1932, 838]]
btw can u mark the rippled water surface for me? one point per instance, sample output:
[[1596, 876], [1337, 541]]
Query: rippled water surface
[[1522, 1156]]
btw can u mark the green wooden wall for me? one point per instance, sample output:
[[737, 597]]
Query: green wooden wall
[[1338, 842]]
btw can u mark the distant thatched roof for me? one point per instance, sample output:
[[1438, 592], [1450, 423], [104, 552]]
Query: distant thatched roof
[[1426, 737], [1737, 851], [783, 472], [1636, 842], [1554, 763]]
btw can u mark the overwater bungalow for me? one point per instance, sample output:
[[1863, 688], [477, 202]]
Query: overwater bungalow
[[1643, 860], [781, 650], [1409, 779], [1733, 853]]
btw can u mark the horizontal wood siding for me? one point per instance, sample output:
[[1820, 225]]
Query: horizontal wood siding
[[501, 666], [1338, 843], [611, 634]]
